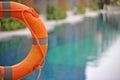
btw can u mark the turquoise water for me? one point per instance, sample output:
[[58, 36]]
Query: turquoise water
[[72, 48]]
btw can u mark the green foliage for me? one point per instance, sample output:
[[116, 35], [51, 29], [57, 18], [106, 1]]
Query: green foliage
[[55, 13], [59, 13], [17, 0], [118, 2], [81, 9], [8, 24], [107, 2], [101, 5], [93, 6], [50, 9], [38, 11]]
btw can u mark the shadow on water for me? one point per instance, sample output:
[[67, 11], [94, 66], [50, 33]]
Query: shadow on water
[[71, 48]]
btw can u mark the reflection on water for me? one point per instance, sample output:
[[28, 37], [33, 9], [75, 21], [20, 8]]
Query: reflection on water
[[14, 50], [72, 48]]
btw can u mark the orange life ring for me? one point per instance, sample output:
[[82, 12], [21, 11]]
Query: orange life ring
[[39, 34]]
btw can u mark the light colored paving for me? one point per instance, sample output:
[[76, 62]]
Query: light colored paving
[[6, 34], [71, 18], [50, 24]]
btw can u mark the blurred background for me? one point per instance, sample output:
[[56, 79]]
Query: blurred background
[[84, 39]]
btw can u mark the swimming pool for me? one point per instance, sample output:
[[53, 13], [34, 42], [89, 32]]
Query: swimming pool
[[72, 48]]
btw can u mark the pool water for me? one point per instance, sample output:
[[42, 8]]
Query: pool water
[[72, 48]]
